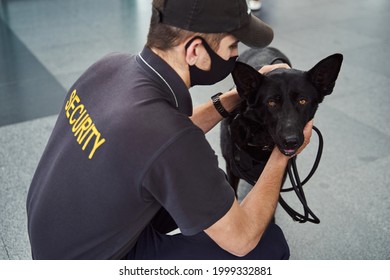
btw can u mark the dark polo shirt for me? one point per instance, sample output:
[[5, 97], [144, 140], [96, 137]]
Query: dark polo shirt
[[122, 148]]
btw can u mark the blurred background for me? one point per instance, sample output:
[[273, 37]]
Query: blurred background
[[45, 45]]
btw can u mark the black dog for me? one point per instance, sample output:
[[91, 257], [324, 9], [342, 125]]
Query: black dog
[[275, 109]]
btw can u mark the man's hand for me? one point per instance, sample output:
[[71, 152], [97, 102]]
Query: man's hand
[[307, 131], [268, 68]]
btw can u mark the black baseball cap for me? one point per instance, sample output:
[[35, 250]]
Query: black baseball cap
[[218, 16]]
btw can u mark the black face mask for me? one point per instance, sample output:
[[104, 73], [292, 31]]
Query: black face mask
[[219, 69]]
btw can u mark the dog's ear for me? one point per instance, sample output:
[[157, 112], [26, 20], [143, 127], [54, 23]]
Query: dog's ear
[[324, 74], [247, 79]]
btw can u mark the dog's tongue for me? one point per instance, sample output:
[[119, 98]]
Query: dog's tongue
[[289, 151]]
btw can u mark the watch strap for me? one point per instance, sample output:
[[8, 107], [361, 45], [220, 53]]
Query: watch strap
[[218, 105]]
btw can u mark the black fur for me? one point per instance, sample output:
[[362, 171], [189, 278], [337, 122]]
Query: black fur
[[275, 109]]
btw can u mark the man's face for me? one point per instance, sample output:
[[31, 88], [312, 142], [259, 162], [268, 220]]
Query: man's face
[[228, 47]]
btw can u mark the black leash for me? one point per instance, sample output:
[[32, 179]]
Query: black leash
[[297, 186]]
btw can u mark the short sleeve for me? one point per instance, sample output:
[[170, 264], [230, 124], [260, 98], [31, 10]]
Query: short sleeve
[[186, 180]]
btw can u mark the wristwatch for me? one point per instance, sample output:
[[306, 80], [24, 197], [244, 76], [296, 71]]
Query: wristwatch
[[218, 105]]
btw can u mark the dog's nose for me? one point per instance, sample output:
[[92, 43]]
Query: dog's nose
[[291, 142]]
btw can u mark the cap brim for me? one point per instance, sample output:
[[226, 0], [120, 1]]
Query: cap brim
[[255, 34]]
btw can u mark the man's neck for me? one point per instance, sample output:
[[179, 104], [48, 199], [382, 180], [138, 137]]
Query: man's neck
[[175, 58]]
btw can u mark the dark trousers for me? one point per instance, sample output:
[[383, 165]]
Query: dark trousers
[[153, 243]]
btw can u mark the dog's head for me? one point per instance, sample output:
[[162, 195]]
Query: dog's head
[[284, 100]]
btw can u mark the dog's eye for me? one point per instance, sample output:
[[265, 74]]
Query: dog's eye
[[271, 103], [302, 101]]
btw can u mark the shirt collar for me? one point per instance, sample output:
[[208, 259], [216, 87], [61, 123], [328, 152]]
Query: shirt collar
[[178, 92]]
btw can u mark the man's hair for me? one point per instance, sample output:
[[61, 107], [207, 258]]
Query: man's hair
[[164, 37]]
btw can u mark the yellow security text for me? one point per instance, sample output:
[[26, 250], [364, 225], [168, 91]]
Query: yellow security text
[[83, 128]]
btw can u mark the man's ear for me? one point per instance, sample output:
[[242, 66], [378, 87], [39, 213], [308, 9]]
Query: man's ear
[[247, 79], [324, 74], [191, 50]]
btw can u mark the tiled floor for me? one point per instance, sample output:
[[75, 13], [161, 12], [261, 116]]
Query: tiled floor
[[46, 44], [28, 89]]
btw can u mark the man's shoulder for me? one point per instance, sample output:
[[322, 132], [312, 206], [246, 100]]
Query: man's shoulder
[[108, 70], [113, 60]]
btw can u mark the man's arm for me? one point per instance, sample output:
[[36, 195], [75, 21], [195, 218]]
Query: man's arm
[[240, 230], [205, 116]]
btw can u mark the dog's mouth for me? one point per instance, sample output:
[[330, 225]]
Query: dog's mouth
[[289, 146], [288, 152]]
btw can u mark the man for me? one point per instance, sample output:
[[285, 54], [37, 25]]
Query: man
[[125, 164]]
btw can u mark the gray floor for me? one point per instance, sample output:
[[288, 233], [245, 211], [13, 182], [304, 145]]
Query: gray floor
[[46, 44]]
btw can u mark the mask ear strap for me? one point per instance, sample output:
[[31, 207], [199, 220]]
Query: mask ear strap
[[205, 44], [193, 39]]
